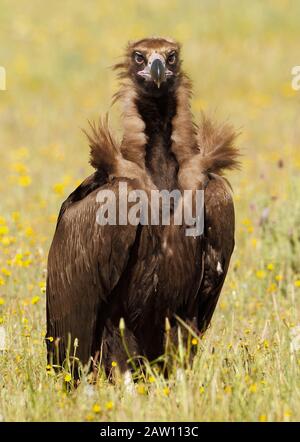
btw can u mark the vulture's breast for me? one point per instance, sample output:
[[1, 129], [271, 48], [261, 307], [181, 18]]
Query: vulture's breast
[[166, 274]]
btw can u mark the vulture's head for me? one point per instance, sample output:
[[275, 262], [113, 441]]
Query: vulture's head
[[153, 64]]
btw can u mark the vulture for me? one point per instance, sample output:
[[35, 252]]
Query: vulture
[[142, 275]]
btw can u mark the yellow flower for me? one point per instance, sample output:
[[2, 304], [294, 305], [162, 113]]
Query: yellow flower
[[194, 341], [24, 181], [266, 343], [35, 300], [141, 389], [1, 319], [59, 188], [166, 391], [19, 168], [278, 278], [50, 338], [263, 418], [201, 389], [109, 405], [2, 282], [254, 242], [15, 216], [260, 274], [68, 377], [29, 232], [96, 408], [42, 285], [272, 288], [253, 388], [4, 230], [228, 389], [114, 364], [26, 263], [151, 379], [297, 283], [287, 413], [246, 222], [89, 417], [2, 302], [270, 266], [5, 271]]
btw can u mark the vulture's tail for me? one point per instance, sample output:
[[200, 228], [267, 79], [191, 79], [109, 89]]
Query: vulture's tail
[[105, 150], [216, 145]]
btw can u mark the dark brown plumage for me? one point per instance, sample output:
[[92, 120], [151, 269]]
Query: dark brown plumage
[[99, 274]]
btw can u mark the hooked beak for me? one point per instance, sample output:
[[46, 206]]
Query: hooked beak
[[158, 72]]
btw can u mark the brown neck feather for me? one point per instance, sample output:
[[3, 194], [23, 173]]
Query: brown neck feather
[[136, 138]]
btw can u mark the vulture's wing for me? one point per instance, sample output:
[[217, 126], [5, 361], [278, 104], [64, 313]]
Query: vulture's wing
[[218, 246], [85, 263]]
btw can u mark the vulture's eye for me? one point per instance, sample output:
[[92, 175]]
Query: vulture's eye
[[139, 58], [172, 58]]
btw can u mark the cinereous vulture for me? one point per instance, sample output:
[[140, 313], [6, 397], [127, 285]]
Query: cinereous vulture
[[143, 273]]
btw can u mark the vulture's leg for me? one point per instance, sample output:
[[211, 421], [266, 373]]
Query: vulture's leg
[[118, 350], [218, 247]]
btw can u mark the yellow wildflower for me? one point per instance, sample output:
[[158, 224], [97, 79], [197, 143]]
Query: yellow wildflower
[[109, 405], [228, 389], [4, 230], [270, 266], [260, 274], [201, 389], [15, 216], [96, 408], [194, 341], [253, 388], [141, 389], [263, 418], [35, 300], [266, 343], [29, 232], [89, 417], [254, 242], [19, 168], [166, 391], [68, 377], [2, 302], [59, 188], [114, 364], [246, 222], [5, 271], [272, 288], [278, 278], [297, 283], [24, 181], [151, 379]]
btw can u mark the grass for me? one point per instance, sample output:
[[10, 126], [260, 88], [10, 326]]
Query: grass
[[239, 55]]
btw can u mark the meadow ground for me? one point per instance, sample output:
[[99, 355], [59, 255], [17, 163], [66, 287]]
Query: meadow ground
[[239, 55]]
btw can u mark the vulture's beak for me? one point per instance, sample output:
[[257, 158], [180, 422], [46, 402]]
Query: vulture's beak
[[158, 71]]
